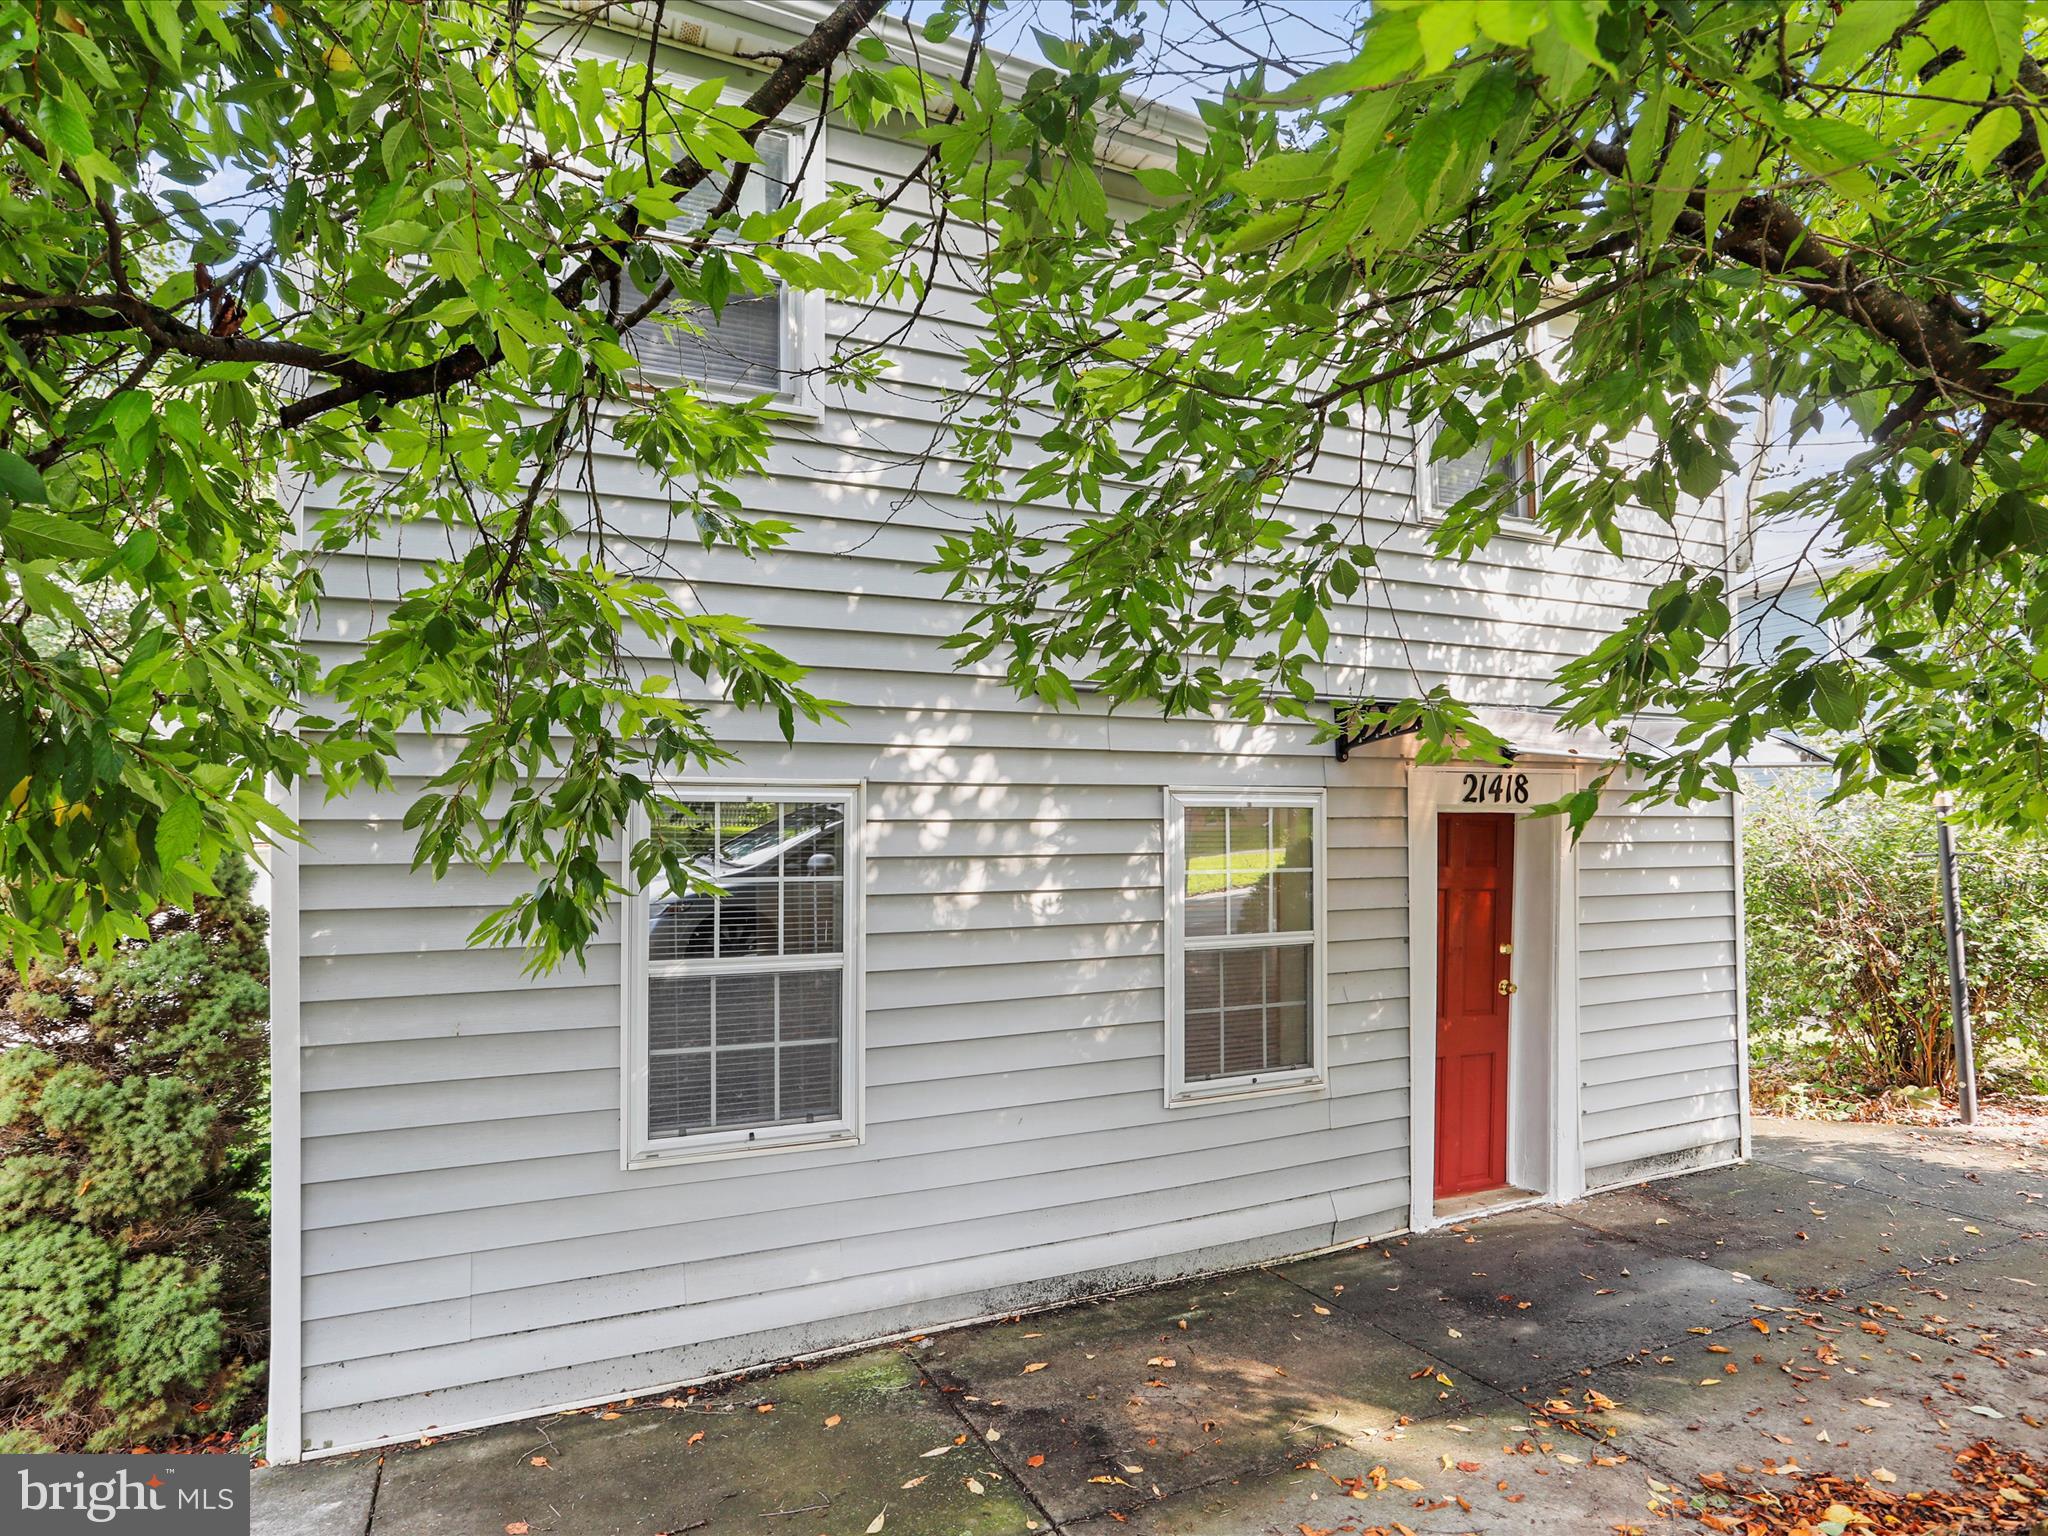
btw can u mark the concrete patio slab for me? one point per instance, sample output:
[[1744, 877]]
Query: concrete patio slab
[[1127, 1406], [1790, 1229], [1485, 1472], [760, 1457], [1900, 1330], [1820, 1392], [1993, 1303], [1944, 1167], [322, 1496], [1521, 1299]]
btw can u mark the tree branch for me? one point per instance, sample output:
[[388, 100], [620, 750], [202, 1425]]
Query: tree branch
[[42, 315], [826, 42], [1768, 234]]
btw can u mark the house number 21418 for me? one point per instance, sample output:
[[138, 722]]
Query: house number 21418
[[1495, 789]]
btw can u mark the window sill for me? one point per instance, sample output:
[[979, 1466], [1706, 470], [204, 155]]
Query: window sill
[[729, 1144], [802, 405], [1231, 1090], [1526, 529]]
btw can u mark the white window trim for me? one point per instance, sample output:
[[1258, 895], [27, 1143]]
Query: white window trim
[[1514, 525], [637, 1148], [1312, 1079], [803, 313]]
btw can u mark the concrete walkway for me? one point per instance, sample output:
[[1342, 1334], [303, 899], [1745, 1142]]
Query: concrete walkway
[[1861, 1301]]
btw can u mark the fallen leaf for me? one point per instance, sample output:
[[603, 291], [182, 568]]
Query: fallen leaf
[[938, 1450], [875, 1524], [1034, 1461], [517, 1528], [1161, 1361], [1407, 1483], [917, 1479], [1883, 1475], [1321, 1310], [1036, 1365], [761, 1408], [832, 1422], [608, 1414], [1989, 1413], [974, 1485], [1873, 1402], [537, 1461]]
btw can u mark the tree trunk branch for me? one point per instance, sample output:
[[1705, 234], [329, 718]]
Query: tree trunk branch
[[45, 315], [1769, 235]]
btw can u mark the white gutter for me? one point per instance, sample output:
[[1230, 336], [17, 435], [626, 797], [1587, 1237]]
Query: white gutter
[[743, 31]]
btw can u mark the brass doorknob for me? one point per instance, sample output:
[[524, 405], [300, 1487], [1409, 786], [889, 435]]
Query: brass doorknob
[[1507, 988]]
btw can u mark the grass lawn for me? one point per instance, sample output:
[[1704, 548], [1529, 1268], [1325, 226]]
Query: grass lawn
[[1207, 875]]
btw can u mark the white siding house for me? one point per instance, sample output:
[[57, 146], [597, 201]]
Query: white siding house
[[1015, 1006]]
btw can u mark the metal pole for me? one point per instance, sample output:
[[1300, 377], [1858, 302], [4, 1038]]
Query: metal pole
[[1958, 988]]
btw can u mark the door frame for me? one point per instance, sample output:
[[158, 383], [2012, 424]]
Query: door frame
[[1435, 789]]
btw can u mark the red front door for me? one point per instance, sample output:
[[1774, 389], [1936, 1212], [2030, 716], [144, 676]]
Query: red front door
[[1475, 885]]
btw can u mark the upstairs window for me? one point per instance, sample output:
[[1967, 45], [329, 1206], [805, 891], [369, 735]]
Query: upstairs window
[[743, 1023], [749, 346], [1444, 482], [1244, 942]]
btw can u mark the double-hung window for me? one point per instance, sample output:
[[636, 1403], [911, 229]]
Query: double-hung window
[[1244, 943], [1512, 472], [750, 345], [743, 987]]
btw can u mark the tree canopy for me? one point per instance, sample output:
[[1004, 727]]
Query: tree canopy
[[399, 250]]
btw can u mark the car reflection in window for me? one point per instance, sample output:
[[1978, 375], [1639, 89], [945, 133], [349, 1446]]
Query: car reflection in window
[[779, 884]]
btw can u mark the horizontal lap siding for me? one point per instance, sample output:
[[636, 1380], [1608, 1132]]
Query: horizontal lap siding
[[1659, 1044], [470, 1238], [472, 1248]]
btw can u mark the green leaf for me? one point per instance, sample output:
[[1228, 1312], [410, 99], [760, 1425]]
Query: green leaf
[[1445, 28], [1857, 31], [1990, 33], [179, 829], [1677, 182], [39, 534], [1286, 176], [1994, 131], [409, 233], [129, 410], [1575, 21], [20, 481], [65, 127], [1837, 702]]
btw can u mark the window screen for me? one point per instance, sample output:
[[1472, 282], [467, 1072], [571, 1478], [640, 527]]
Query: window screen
[[1453, 479], [1248, 932], [746, 982], [741, 346]]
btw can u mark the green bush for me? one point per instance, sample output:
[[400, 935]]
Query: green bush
[[132, 1234], [1848, 976]]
